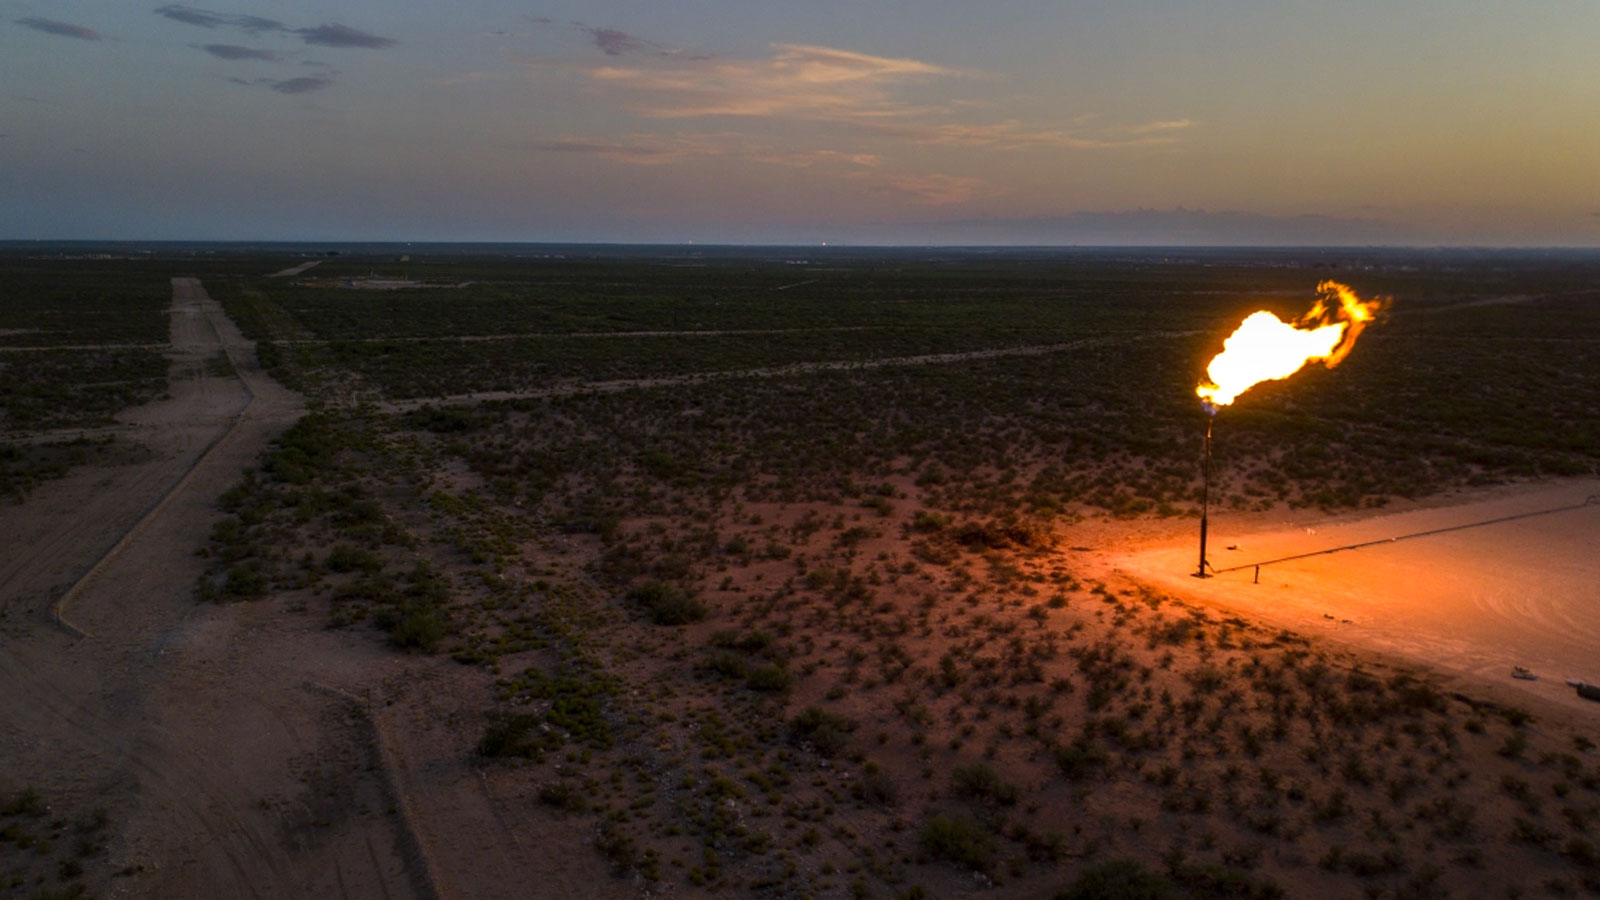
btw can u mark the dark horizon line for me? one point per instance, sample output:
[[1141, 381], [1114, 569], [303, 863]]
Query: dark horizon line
[[789, 245]]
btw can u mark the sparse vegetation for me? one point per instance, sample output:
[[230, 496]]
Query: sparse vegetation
[[835, 631]]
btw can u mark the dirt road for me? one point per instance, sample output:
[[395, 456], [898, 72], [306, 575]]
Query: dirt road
[[625, 384], [295, 270], [227, 766]]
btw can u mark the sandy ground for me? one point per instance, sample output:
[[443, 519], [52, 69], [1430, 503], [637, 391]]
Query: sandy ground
[[1475, 601], [228, 765]]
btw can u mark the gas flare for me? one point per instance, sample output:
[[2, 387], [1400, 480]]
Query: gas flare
[[1266, 348]]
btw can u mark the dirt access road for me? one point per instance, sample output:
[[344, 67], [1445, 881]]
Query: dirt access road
[[841, 365], [223, 741]]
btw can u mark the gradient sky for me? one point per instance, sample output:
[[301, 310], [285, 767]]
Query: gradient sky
[[1039, 121]]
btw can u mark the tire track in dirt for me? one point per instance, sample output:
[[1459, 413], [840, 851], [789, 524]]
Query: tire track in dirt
[[624, 384], [564, 335], [189, 286], [67, 525], [804, 368]]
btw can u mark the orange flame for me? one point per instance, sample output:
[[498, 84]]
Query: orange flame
[[1266, 348]]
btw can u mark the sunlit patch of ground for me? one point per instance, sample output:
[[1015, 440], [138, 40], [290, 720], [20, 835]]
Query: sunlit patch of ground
[[1477, 600]]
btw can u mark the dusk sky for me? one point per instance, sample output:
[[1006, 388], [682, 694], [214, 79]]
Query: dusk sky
[[1428, 122]]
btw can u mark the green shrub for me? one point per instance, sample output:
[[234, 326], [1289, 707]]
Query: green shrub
[[1079, 760], [244, 582], [667, 604], [417, 624], [961, 840], [307, 446], [824, 731], [348, 558], [26, 802], [1213, 882], [563, 795], [507, 735], [980, 781], [875, 787], [1119, 879], [770, 677], [448, 420], [728, 665], [1582, 852]]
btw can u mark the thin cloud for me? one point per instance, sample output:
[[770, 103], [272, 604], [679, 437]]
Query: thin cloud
[[234, 51], [615, 43], [863, 106], [304, 84], [805, 159], [189, 15], [334, 35], [330, 34], [857, 92], [1013, 135], [645, 149], [1161, 126], [627, 153], [796, 81], [60, 29], [933, 190]]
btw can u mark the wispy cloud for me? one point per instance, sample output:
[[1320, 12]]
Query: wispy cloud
[[933, 190], [858, 91], [861, 92], [1167, 125], [796, 81], [867, 110], [189, 15], [329, 34], [805, 159], [342, 36], [1014, 135], [234, 51], [638, 154], [60, 29], [304, 84], [647, 149], [614, 42]]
